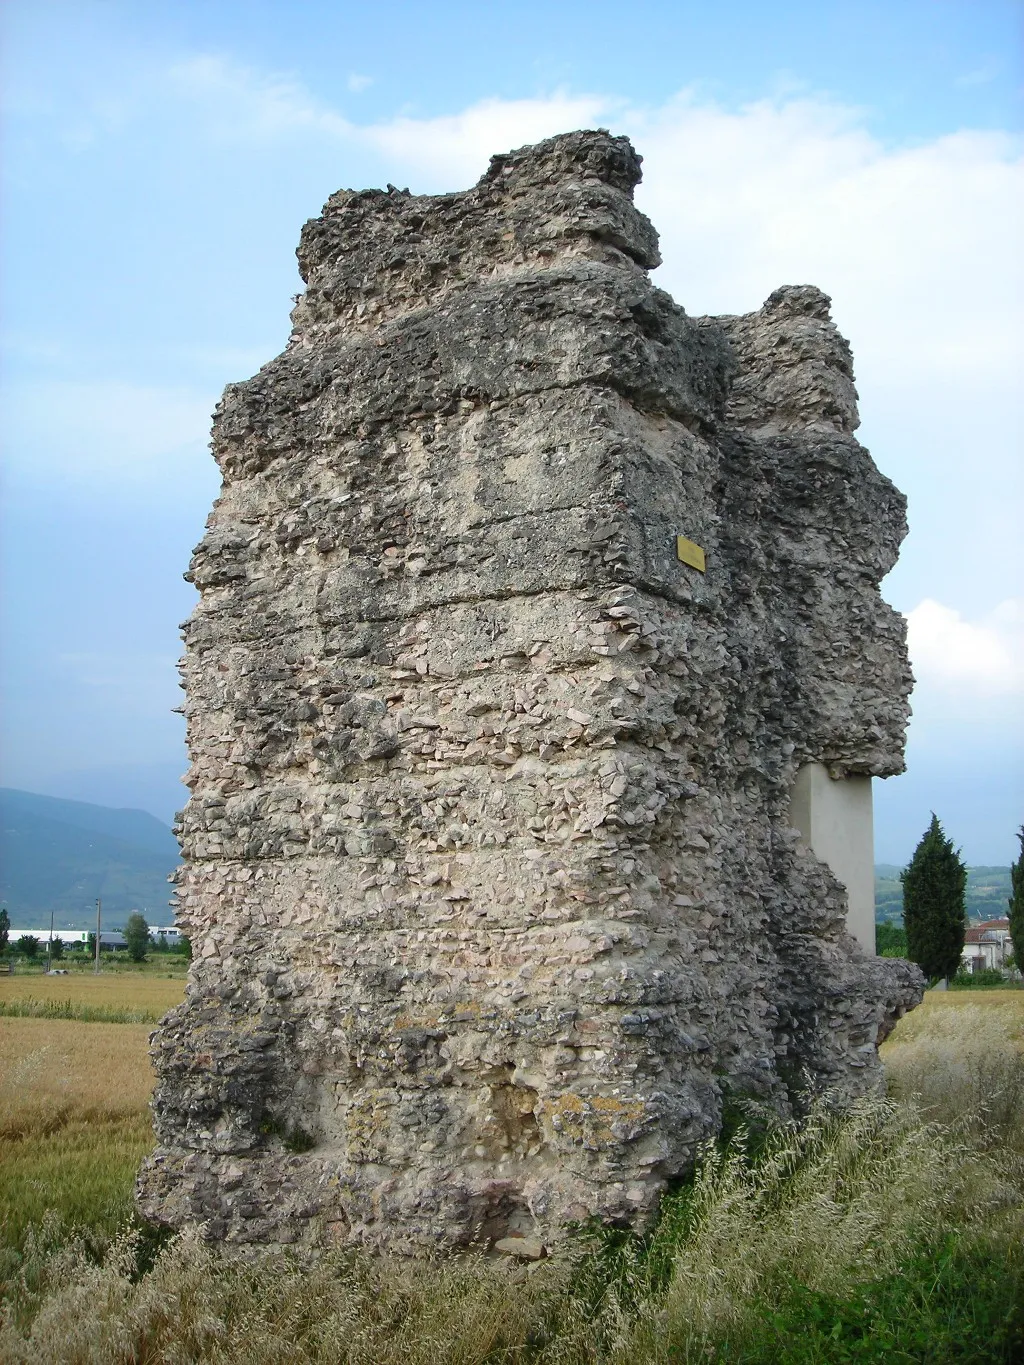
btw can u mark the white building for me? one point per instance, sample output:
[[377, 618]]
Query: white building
[[987, 945], [66, 936], [109, 938]]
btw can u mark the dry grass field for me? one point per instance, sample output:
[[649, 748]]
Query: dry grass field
[[57, 1072], [1012, 998], [74, 1095], [122, 990], [953, 1015], [888, 1233], [960, 1056]]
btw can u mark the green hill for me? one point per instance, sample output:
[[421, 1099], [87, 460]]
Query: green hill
[[61, 855], [988, 890]]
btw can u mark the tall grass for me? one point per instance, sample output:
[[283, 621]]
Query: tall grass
[[81, 1175], [30, 1008], [195, 1306], [74, 1122], [876, 1234], [839, 1207], [964, 1065]]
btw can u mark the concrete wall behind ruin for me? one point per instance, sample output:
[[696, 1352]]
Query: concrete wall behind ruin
[[495, 895], [836, 823]]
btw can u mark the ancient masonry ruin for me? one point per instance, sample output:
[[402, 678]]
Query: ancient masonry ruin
[[538, 622]]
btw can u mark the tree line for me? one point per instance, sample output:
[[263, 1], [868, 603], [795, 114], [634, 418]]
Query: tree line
[[139, 940]]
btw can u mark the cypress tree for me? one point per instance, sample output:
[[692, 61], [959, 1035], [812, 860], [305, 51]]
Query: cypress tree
[[1017, 905], [934, 911]]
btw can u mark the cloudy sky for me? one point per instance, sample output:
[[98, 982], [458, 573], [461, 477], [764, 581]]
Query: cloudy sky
[[162, 155]]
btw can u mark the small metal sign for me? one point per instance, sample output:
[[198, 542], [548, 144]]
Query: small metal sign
[[689, 553]]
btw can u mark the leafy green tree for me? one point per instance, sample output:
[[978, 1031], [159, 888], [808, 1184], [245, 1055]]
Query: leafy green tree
[[934, 912], [56, 948], [1017, 903], [136, 937], [28, 945], [890, 940], [5, 929]]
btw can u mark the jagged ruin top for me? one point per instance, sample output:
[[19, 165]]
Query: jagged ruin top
[[567, 196]]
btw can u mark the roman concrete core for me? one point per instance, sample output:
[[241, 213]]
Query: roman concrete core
[[535, 619]]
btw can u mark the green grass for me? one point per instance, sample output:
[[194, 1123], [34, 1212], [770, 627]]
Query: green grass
[[74, 1124], [988, 979], [950, 1302], [84, 1172], [78, 964]]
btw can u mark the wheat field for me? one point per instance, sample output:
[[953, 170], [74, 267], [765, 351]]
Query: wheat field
[[56, 1072], [960, 1058]]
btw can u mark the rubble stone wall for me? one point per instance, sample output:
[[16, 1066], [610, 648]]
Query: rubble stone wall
[[493, 892]]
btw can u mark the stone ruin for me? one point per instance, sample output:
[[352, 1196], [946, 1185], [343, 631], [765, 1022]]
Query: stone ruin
[[534, 692]]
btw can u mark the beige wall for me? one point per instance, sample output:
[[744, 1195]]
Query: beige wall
[[835, 820]]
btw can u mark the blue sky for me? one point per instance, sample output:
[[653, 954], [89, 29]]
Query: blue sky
[[160, 159]]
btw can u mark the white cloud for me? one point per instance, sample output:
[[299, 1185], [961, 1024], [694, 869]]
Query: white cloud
[[243, 105], [917, 245], [452, 152], [982, 75], [982, 658], [357, 84]]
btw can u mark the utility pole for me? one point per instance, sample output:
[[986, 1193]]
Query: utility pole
[[96, 969], [49, 946]]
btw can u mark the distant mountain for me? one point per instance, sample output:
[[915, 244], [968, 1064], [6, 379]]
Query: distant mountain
[[61, 855], [988, 890]]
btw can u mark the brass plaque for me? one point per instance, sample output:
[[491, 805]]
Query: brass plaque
[[689, 553]]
